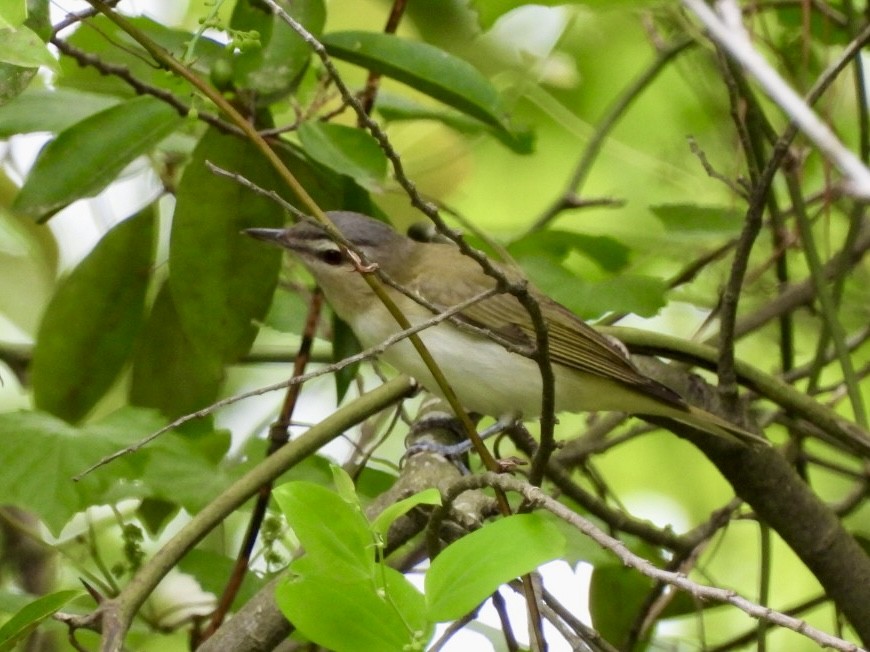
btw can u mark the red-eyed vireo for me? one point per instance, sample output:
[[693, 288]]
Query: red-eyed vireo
[[591, 372]]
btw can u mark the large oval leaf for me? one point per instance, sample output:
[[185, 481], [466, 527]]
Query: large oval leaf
[[469, 570], [90, 324], [424, 67], [86, 157], [222, 281], [353, 616], [169, 373]]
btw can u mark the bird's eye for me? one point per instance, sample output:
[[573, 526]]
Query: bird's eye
[[331, 256]]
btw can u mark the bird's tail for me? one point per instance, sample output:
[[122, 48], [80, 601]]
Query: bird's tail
[[708, 422]]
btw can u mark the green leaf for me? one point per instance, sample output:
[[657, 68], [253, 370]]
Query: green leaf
[[90, 325], [351, 616], [12, 13], [344, 486], [424, 67], [272, 70], [222, 282], [340, 546], [345, 150], [169, 372], [50, 110], [344, 345], [28, 618], [608, 253], [386, 518], [28, 265], [472, 568], [616, 595], [693, 219], [23, 47], [38, 459], [85, 158]]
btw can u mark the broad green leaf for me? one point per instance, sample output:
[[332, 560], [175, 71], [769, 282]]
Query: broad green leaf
[[345, 150], [489, 11], [424, 67], [86, 157], [179, 469], [385, 519], [334, 534], [28, 618], [90, 325], [353, 616], [22, 47], [469, 570], [50, 110], [169, 373], [608, 253], [272, 70], [214, 269], [693, 219], [38, 459]]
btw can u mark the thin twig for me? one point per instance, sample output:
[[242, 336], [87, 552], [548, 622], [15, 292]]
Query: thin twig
[[726, 30], [535, 496]]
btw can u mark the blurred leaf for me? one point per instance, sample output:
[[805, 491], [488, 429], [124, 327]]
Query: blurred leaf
[[222, 282], [86, 157], [386, 518], [156, 513], [28, 265], [690, 218], [90, 325], [28, 618], [22, 47], [608, 253], [469, 570], [178, 468], [212, 569], [344, 345], [105, 40], [38, 459], [424, 67], [616, 595], [13, 81], [50, 110], [13, 13], [822, 29], [345, 150], [351, 616], [273, 69], [342, 550], [169, 373], [489, 11], [396, 109]]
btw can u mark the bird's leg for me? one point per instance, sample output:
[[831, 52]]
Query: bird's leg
[[454, 451]]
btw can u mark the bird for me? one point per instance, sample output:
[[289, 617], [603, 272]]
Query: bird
[[592, 372]]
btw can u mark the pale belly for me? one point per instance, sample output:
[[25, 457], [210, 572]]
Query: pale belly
[[493, 381]]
